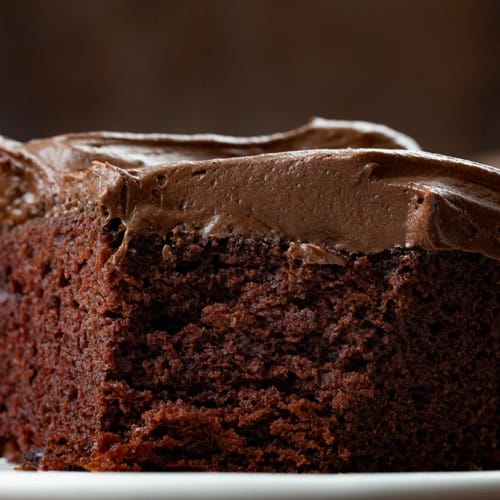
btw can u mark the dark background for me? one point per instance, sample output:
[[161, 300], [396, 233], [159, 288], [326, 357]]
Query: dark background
[[429, 68]]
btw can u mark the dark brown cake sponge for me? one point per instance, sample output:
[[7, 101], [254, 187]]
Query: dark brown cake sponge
[[230, 354]]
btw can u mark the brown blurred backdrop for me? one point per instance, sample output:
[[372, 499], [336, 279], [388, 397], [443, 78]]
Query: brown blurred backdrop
[[429, 68]]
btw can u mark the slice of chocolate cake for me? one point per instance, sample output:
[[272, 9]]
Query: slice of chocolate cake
[[265, 304]]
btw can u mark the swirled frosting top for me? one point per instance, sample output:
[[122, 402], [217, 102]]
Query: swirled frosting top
[[350, 186]]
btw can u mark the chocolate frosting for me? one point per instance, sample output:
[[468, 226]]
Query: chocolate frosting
[[323, 186]]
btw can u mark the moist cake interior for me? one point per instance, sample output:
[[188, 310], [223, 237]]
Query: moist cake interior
[[231, 354]]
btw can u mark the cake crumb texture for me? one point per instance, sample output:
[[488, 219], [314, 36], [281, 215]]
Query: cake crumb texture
[[210, 353]]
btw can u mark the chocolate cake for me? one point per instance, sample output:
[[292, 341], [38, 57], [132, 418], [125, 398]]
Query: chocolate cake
[[323, 300]]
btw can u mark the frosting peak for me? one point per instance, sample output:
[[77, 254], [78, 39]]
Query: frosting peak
[[75, 152]]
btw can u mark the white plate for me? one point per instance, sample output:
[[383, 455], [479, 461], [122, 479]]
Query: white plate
[[224, 486]]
